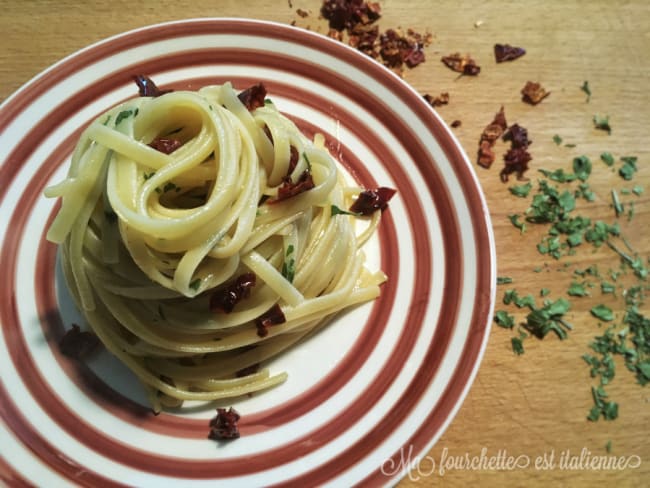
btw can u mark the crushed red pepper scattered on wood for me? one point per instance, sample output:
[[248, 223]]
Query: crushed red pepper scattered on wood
[[506, 52], [355, 20], [492, 132], [533, 93], [442, 99], [462, 64], [517, 158]]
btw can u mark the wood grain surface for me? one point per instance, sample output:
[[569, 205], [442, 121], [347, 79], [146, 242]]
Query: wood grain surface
[[527, 406]]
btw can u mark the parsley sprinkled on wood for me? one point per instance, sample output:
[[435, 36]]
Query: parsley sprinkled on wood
[[585, 88], [602, 123]]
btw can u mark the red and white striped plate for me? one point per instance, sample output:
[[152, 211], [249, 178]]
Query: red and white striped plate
[[370, 393]]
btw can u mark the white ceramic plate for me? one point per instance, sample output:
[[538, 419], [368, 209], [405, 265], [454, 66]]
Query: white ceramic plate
[[378, 387]]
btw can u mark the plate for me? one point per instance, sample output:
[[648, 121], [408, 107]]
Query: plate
[[366, 397]]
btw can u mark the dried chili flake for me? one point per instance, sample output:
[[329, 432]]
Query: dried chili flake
[[369, 201], [224, 300], [344, 14], [78, 344], [534, 93], [456, 123], [273, 316], [253, 97], [518, 137], [493, 131], [485, 154], [147, 88], [442, 99], [516, 161], [506, 52], [224, 425], [289, 188], [462, 64], [165, 145]]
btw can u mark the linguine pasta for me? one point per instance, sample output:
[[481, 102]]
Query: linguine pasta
[[178, 204]]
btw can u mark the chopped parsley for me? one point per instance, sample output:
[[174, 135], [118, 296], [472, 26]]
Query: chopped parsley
[[338, 211], [582, 167], [195, 284], [602, 312], [602, 123], [607, 158], [585, 88], [517, 345], [618, 207], [504, 319], [627, 170], [557, 139], [521, 190], [289, 265], [124, 114], [502, 280], [577, 290]]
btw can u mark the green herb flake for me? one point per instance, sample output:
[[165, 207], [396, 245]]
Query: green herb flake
[[577, 290], [504, 319], [627, 170], [521, 190], [558, 175], [607, 158], [195, 284], [618, 207], [637, 190], [549, 318], [606, 287], [289, 265], [517, 346], [608, 447], [502, 280], [585, 88], [544, 292], [608, 409], [602, 312], [602, 123], [304, 155], [146, 176], [514, 220], [124, 114], [337, 211], [557, 139], [582, 167]]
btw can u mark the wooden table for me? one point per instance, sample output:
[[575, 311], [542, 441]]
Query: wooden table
[[524, 406]]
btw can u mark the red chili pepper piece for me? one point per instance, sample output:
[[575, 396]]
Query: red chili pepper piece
[[224, 300], [165, 145], [253, 97], [273, 316], [77, 343], [224, 425], [147, 87], [369, 201]]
